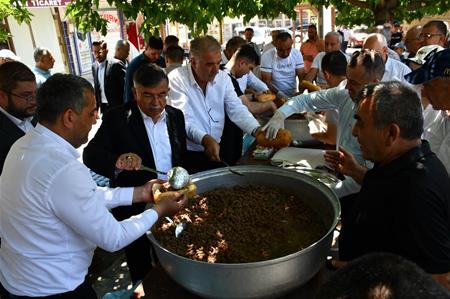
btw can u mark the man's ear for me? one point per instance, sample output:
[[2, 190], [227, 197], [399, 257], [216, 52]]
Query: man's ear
[[326, 75], [392, 134], [133, 89], [3, 99], [68, 118]]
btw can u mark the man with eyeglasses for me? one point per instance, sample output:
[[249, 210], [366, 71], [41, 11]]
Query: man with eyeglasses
[[147, 132], [17, 104], [434, 33], [53, 215], [109, 78], [206, 94]]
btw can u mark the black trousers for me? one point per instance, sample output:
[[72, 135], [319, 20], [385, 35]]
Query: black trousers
[[83, 291]]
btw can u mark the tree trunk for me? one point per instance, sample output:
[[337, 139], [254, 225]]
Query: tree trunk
[[384, 11]]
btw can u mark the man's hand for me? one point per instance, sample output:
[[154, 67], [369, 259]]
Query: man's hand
[[171, 204], [273, 125], [282, 95], [443, 279], [212, 148], [344, 162], [144, 193], [129, 161]]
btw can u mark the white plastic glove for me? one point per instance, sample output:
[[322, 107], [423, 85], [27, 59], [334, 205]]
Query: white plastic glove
[[273, 125], [282, 95]]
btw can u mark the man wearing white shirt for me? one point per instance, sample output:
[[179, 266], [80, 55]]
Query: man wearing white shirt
[[17, 104], [281, 66], [206, 94], [53, 215], [333, 42], [149, 133], [364, 67], [394, 69], [435, 77]]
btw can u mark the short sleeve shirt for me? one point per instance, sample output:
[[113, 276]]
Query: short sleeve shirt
[[283, 69]]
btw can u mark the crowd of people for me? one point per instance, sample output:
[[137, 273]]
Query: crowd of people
[[388, 114]]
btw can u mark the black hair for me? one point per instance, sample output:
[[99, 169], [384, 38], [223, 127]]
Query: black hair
[[248, 52], [13, 72], [283, 36], [440, 25], [59, 93], [100, 43], [175, 53], [381, 276], [155, 42], [149, 75], [335, 63], [171, 40], [249, 29]]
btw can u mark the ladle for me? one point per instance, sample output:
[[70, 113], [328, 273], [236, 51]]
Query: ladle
[[177, 176], [230, 169]]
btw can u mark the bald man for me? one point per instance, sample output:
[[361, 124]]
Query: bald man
[[394, 69]]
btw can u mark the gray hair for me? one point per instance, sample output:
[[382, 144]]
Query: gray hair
[[204, 44], [395, 103], [372, 62], [40, 52], [335, 34], [380, 37], [121, 43], [59, 93]]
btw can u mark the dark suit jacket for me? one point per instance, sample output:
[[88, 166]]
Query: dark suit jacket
[[9, 133], [123, 131], [114, 82]]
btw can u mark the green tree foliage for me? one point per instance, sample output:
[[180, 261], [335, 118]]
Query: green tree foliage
[[196, 14], [13, 9], [374, 12]]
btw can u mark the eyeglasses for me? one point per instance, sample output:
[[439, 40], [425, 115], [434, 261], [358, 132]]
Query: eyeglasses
[[210, 116], [27, 98], [429, 35], [150, 97]]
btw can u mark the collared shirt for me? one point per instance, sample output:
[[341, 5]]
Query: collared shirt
[[330, 99], [23, 124], [317, 64], [171, 67], [250, 80], [395, 70], [283, 70], [41, 76], [205, 112], [438, 135], [101, 80], [158, 135], [403, 208], [53, 216]]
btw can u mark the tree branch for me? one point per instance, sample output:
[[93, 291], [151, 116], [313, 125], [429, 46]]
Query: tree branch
[[361, 4], [416, 5]]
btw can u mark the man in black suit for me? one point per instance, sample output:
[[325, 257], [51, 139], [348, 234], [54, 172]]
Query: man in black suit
[[109, 78], [141, 132], [17, 104]]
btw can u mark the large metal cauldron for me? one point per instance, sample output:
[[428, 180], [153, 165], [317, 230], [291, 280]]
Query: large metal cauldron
[[267, 279]]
